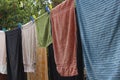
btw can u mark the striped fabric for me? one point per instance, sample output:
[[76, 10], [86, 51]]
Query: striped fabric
[[99, 22]]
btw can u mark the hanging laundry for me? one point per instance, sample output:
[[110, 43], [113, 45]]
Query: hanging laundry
[[53, 73], [64, 38], [15, 69], [29, 46], [41, 72], [3, 77], [80, 62], [44, 30], [99, 22], [3, 63], [3, 70]]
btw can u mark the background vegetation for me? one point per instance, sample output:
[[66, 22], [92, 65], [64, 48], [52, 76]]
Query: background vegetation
[[13, 12]]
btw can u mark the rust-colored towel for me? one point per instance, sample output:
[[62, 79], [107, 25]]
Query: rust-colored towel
[[41, 72], [64, 38]]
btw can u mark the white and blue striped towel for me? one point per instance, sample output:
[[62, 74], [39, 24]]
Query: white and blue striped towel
[[99, 22]]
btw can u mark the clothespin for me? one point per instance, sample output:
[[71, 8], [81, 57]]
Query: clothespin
[[50, 6], [32, 19], [19, 25], [4, 29], [47, 9]]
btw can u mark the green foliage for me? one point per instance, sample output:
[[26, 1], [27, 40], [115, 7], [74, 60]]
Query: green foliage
[[13, 12], [56, 2]]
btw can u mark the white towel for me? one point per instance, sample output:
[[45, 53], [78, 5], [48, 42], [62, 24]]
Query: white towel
[[3, 63]]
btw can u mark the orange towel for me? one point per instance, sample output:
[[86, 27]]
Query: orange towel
[[41, 72], [64, 38]]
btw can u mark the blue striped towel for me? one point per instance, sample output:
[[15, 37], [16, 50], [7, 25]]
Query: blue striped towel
[[99, 22]]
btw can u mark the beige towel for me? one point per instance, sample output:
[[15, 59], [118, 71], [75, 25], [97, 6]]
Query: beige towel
[[29, 46], [3, 63]]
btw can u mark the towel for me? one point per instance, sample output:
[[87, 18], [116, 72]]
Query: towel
[[99, 22], [64, 38], [15, 68], [41, 72], [44, 30], [29, 46], [53, 73], [3, 63], [3, 77]]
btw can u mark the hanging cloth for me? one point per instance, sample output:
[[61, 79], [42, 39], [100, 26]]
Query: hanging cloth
[[53, 73], [3, 63], [99, 22], [29, 46], [15, 69], [3, 68], [41, 72], [44, 30], [65, 38], [3, 77]]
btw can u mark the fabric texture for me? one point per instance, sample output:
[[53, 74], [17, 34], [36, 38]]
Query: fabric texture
[[29, 46], [15, 69], [44, 30], [80, 62], [64, 38], [3, 77], [53, 73], [99, 22], [41, 72], [3, 63]]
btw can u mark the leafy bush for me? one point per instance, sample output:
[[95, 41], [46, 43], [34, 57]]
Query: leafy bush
[[13, 12]]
